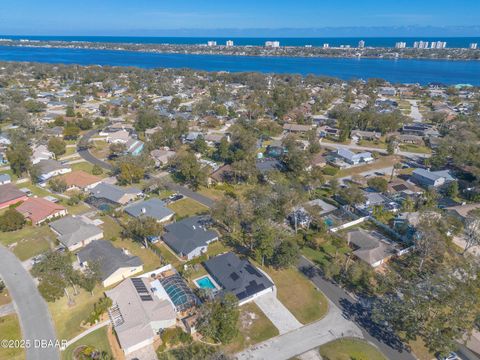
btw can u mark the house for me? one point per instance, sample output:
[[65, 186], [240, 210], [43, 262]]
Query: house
[[370, 247], [318, 160], [161, 157], [114, 264], [4, 140], [74, 232], [387, 91], [214, 139], [154, 208], [352, 158], [410, 139], [10, 195], [328, 132], [462, 212], [50, 168], [358, 135], [296, 128], [222, 174], [80, 180], [113, 194], [138, 315], [238, 277], [189, 237], [39, 210], [429, 178], [399, 186], [118, 137], [41, 152], [5, 179], [134, 147], [264, 166], [418, 129]]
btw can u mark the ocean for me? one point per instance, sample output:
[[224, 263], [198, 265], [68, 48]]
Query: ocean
[[396, 71]]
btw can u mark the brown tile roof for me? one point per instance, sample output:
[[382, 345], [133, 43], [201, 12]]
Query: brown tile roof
[[80, 179], [38, 209]]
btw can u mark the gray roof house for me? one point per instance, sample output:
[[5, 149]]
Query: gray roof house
[[50, 168], [370, 248], [74, 232], [115, 194], [154, 208], [189, 237], [114, 264], [431, 178], [354, 159], [239, 277], [138, 314]]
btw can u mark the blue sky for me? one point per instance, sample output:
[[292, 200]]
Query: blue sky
[[150, 17]]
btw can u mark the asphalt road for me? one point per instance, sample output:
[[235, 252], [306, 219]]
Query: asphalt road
[[385, 340], [85, 153], [31, 308]]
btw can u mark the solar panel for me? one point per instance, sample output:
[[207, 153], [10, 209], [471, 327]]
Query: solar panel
[[234, 276], [146, 298]]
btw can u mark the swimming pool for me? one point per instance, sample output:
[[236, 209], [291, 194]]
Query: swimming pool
[[205, 283]]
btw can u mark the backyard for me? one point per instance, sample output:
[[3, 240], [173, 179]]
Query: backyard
[[187, 207], [29, 241]]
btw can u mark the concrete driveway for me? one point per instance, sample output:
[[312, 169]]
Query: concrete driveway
[[278, 314], [332, 326], [31, 308]]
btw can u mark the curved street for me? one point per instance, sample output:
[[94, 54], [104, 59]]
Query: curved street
[[35, 320]]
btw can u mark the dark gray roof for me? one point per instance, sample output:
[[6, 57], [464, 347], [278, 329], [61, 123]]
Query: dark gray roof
[[111, 192], [49, 165], [189, 234], [237, 276], [266, 165], [73, 230], [154, 208], [108, 257]]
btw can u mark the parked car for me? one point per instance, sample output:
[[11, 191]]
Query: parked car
[[450, 356]]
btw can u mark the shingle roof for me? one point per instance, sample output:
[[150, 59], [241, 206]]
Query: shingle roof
[[433, 175], [38, 209], [80, 179], [189, 234], [154, 208], [111, 192], [369, 248], [237, 276], [9, 192], [74, 230], [47, 166], [108, 257]]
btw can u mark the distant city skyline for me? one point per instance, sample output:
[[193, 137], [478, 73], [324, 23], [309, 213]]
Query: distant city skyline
[[241, 18]]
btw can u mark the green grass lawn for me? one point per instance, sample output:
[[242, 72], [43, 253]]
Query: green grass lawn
[[97, 339], [10, 330], [346, 349], [254, 327], [211, 193], [167, 254], [299, 295], [187, 207], [415, 148], [5, 297], [380, 163], [30, 241], [85, 166], [68, 318]]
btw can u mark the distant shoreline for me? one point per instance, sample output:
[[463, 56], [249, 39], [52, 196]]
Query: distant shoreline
[[259, 51]]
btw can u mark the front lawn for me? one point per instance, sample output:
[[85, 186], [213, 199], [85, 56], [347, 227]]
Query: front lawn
[[254, 328], [187, 207], [10, 330], [97, 339], [299, 295], [30, 241], [346, 349]]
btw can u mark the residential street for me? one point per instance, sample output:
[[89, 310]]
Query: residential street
[[85, 153], [32, 310], [387, 342]]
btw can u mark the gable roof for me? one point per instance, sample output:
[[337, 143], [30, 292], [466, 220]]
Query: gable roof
[[111, 192], [38, 209], [349, 155], [49, 165], [80, 178], [189, 234], [108, 257], [154, 208], [73, 230], [433, 175], [237, 276], [9, 192]]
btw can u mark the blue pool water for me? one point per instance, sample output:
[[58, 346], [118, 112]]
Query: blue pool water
[[205, 283], [397, 71]]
